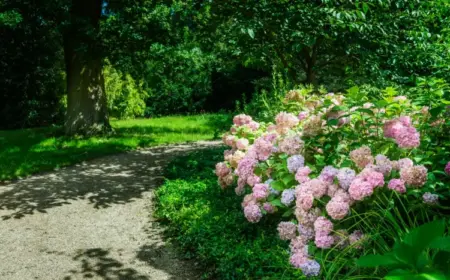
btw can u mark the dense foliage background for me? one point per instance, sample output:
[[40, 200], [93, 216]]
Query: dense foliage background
[[165, 57]]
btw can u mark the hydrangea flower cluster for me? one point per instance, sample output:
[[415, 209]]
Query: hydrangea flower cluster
[[274, 165], [403, 132]]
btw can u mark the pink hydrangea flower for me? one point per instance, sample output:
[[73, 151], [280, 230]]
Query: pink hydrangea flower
[[226, 181], [242, 144], [241, 120], [306, 232], [405, 163], [397, 185], [332, 189], [222, 169], [374, 178], [337, 208], [307, 218], [447, 168], [299, 245], [361, 156], [248, 199], [286, 120], [356, 238], [253, 126], [252, 213], [302, 115], [360, 189], [323, 226], [287, 230], [291, 145], [269, 207], [302, 174], [324, 241], [415, 176], [245, 168], [383, 165], [409, 138], [298, 259], [317, 187], [403, 132], [304, 200], [260, 191], [253, 180], [263, 148], [229, 140]]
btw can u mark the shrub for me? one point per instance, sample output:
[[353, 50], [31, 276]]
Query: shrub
[[125, 96], [208, 224], [335, 165]]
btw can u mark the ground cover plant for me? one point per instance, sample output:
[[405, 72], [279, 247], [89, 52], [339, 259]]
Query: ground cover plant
[[32, 150], [349, 173], [207, 223]]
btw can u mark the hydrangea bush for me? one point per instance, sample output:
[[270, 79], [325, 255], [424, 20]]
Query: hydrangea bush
[[325, 157]]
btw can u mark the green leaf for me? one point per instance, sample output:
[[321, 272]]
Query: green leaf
[[442, 261], [377, 260], [288, 213], [436, 111], [277, 185], [441, 243], [251, 33], [406, 253], [332, 122], [276, 202], [365, 7], [381, 103], [421, 237], [401, 274], [364, 110], [288, 179]]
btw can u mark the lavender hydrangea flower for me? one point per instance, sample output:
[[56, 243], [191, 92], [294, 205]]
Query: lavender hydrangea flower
[[328, 173], [345, 177], [295, 162], [430, 198], [288, 196], [310, 268]]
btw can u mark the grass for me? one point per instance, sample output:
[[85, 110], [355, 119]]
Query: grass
[[27, 151]]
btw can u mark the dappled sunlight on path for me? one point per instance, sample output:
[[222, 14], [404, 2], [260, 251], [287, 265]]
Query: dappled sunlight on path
[[90, 221]]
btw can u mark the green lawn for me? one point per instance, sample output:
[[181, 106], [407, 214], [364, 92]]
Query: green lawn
[[27, 151]]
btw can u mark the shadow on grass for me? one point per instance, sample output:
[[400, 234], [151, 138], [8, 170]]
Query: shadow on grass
[[23, 152]]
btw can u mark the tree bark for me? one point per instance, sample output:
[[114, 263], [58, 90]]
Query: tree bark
[[86, 97]]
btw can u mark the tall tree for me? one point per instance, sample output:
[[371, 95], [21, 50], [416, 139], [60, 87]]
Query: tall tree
[[86, 97]]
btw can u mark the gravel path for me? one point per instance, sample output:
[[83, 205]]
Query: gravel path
[[90, 221]]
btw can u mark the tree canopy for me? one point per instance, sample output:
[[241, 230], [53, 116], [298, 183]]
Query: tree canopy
[[162, 56]]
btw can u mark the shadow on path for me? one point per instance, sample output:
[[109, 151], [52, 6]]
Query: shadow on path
[[105, 181]]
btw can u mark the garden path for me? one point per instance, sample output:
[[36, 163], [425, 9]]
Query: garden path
[[91, 221]]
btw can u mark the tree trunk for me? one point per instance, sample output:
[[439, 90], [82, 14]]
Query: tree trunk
[[86, 97]]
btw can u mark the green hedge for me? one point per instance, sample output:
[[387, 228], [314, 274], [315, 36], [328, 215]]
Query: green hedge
[[208, 224]]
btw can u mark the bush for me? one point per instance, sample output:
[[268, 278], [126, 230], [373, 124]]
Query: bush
[[208, 224], [125, 96], [348, 172]]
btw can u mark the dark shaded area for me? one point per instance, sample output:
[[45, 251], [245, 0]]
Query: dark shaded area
[[111, 180], [31, 67], [229, 87]]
